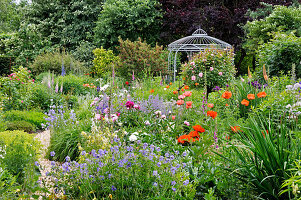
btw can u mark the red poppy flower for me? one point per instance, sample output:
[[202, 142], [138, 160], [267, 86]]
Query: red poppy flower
[[194, 134], [186, 87], [152, 91], [184, 139], [127, 83], [175, 92], [167, 86], [180, 102], [227, 95], [199, 128], [235, 129], [189, 104], [212, 114]]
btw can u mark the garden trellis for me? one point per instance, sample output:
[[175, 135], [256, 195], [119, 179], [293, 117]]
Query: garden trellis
[[195, 43]]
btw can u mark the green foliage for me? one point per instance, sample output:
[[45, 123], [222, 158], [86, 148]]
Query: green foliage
[[25, 44], [33, 117], [10, 16], [15, 87], [20, 152], [41, 98], [210, 68], [84, 53], [20, 125], [265, 152], [283, 19], [141, 58], [73, 84], [64, 23], [53, 62], [280, 53], [293, 184], [104, 61], [128, 19], [8, 184]]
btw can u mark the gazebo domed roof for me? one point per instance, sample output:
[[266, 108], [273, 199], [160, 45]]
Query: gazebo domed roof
[[198, 41]]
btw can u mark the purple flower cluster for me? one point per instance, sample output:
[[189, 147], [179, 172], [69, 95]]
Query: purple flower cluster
[[216, 88], [99, 166], [257, 85], [55, 117]]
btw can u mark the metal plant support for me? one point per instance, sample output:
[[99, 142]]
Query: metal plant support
[[198, 41]]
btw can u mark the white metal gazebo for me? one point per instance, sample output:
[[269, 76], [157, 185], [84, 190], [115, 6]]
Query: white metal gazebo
[[195, 43]]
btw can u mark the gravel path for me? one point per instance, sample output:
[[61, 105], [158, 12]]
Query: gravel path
[[44, 137]]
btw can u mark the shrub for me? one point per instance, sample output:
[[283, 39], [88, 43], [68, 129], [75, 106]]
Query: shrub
[[53, 61], [141, 58], [41, 97], [103, 62], [74, 85], [20, 125], [135, 171], [211, 67], [139, 19], [33, 117], [16, 86], [20, 152], [8, 184], [84, 53], [280, 53]]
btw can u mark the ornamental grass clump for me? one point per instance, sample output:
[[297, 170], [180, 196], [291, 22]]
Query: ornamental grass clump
[[264, 156], [135, 171]]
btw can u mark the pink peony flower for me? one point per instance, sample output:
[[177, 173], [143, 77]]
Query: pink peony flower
[[220, 73], [193, 78], [211, 68]]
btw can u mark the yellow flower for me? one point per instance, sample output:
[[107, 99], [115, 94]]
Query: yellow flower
[[110, 196]]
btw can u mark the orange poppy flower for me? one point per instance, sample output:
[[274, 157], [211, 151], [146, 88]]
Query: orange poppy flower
[[199, 128], [261, 94], [180, 102], [175, 92], [184, 78], [189, 104], [194, 134], [152, 91], [235, 129], [186, 87], [245, 102], [182, 89], [251, 96], [167, 86], [227, 104], [196, 84], [170, 83], [210, 105], [212, 114], [227, 95]]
